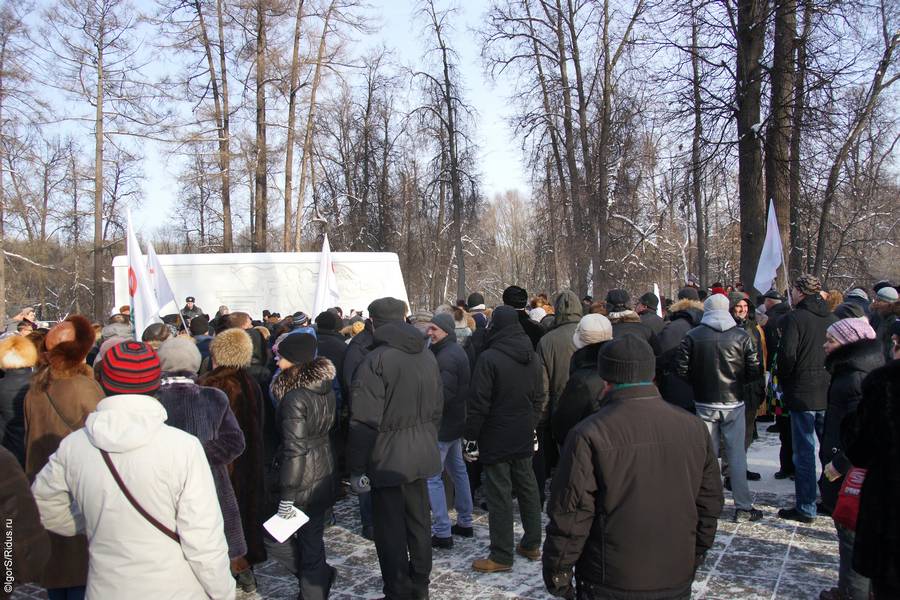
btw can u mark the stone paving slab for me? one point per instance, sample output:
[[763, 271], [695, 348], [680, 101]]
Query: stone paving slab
[[771, 559]]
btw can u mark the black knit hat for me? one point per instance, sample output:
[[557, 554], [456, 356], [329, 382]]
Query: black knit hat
[[474, 299], [387, 309], [515, 296], [299, 348], [328, 321], [628, 359], [618, 300], [130, 368], [199, 325], [688, 293], [503, 316], [650, 300]]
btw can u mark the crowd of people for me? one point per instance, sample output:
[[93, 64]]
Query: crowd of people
[[145, 465]]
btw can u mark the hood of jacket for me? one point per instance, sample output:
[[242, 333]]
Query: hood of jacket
[[692, 310], [511, 341], [567, 308], [585, 358], [720, 320], [125, 422], [624, 316], [399, 335], [815, 305], [316, 376], [863, 356]]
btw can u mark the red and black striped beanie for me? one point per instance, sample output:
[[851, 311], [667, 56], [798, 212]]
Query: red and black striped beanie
[[130, 368]]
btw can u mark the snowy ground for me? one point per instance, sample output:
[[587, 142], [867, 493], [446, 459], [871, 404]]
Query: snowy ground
[[770, 559]]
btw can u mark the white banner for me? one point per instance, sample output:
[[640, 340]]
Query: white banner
[[327, 295], [772, 254], [144, 309]]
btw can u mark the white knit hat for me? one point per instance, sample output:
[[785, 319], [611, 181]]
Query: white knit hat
[[536, 314], [592, 329]]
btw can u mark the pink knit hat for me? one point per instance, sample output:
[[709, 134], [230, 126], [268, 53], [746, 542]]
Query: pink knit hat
[[847, 331]]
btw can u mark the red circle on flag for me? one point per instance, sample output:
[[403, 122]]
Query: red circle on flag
[[132, 282]]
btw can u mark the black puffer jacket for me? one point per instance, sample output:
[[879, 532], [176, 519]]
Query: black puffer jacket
[[333, 347], [684, 315], [357, 349], [801, 355], [634, 502], [718, 358], [13, 387], [848, 366], [772, 328], [455, 375], [395, 412], [306, 408], [506, 397], [872, 440], [582, 394]]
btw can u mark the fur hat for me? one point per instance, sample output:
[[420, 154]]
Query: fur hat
[[179, 354], [298, 348], [328, 321], [618, 301], [232, 348], [650, 300], [515, 296], [808, 284], [69, 342], [688, 293], [17, 352]]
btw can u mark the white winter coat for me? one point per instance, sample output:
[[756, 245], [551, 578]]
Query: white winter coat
[[167, 472]]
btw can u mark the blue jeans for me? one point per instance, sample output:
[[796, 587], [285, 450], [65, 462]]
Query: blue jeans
[[806, 428], [451, 458]]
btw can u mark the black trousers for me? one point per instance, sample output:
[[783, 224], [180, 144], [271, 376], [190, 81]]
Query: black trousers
[[786, 453], [303, 554], [402, 517]]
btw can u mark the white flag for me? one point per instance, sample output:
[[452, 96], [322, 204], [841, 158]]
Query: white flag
[[144, 309], [659, 307], [162, 291], [327, 295], [772, 254]]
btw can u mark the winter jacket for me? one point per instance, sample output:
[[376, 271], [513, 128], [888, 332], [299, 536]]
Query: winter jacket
[[333, 347], [357, 350], [455, 375], [872, 441], [505, 397], [581, 396], [534, 331], [675, 389], [848, 366], [306, 412], [801, 356], [883, 334], [246, 400], [166, 470], [653, 321], [203, 342], [31, 544], [754, 389], [204, 413], [607, 516], [629, 323], [397, 399], [190, 313], [75, 395], [13, 388], [772, 328], [718, 358], [555, 351]]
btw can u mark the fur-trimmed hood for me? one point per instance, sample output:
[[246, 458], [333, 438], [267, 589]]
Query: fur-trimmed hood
[[312, 376], [232, 348], [625, 316], [683, 305], [17, 352]]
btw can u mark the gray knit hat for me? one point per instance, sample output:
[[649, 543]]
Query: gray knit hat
[[445, 322], [179, 354]]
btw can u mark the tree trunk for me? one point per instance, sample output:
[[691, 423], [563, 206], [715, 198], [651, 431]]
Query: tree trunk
[[287, 234], [751, 30], [778, 136], [795, 253], [225, 140], [99, 304], [696, 164], [262, 206]]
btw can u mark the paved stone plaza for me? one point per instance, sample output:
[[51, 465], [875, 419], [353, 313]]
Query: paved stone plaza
[[771, 559]]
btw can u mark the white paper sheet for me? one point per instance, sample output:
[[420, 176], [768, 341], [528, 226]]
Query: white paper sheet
[[282, 529]]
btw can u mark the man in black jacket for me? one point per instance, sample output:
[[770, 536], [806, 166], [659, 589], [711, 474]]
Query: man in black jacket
[[804, 381], [775, 309], [684, 315], [719, 358], [646, 308], [505, 404], [455, 375], [607, 520], [395, 413]]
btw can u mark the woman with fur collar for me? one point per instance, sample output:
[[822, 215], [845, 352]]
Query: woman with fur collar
[[231, 353], [18, 356], [63, 393], [305, 414]]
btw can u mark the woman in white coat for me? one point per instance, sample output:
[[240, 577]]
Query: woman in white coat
[[166, 473]]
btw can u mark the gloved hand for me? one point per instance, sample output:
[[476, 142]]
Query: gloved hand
[[470, 451], [286, 509], [559, 583], [359, 484]]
